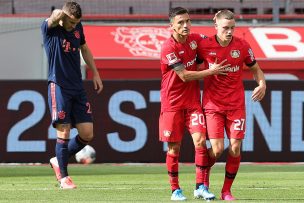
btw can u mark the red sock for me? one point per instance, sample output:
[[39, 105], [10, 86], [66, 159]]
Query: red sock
[[232, 167], [201, 163], [207, 174], [172, 167]]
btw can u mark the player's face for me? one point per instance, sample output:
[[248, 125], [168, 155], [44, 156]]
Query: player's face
[[225, 29], [181, 24], [70, 22]]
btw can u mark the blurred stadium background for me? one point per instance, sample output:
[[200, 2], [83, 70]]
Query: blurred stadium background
[[125, 37]]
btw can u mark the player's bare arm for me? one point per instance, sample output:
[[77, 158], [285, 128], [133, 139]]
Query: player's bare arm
[[88, 58], [56, 16], [258, 92], [215, 69]]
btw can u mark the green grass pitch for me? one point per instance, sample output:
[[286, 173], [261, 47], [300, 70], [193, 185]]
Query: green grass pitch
[[147, 183]]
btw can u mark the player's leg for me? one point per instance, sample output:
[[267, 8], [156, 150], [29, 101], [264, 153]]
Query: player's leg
[[62, 155], [231, 169], [215, 122], [172, 167], [211, 161], [195, 123], [201, 166], [82, 119], [235, 129], [171, 129], [85, 135], [60, 105]]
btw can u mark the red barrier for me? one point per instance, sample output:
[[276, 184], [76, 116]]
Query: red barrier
[[132, 52], [123, 68]]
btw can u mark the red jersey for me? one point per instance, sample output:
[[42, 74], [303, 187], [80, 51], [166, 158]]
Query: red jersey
[[176, 94], [225, 92]]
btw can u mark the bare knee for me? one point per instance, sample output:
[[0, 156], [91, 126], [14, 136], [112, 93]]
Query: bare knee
[[199, 140], [63, 131], [217, 152], [174, 148], [85, 131], [234, 151], [87, 137], [235, 147], [217, 147]]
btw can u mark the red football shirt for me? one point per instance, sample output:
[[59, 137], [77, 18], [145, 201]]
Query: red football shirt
[[225, 92], [176, 94]]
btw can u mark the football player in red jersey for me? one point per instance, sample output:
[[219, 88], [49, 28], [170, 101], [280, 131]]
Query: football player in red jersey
[[180, 100], [223, 96]]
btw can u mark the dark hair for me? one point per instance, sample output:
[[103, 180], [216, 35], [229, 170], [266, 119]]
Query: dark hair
[[73, 8], [177, 11]]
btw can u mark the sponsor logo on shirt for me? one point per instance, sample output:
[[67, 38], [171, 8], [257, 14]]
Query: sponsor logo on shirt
[[190, 63], [251, 54], [212, 54], [203, 36], [228, 69], [67, 46], [171, 58], [232, 69], [235, 53], [167, 133], [193, 45]]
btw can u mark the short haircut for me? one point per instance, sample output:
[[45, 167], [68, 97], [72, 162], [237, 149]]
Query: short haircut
[[73, 8], [223, 14], [177, 11]]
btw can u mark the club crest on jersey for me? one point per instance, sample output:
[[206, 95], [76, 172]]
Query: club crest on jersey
[[77, 35], [171, 58], [61, 115], [193, 45], [167, 133], [235, 53]]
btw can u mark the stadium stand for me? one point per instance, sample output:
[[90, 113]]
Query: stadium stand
[[154, 7]]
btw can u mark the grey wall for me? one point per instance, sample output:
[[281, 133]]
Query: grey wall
[[22, 55]]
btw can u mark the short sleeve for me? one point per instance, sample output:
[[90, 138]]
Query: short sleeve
[[82, 36], [44, 27], [169, 55], [249, 57]]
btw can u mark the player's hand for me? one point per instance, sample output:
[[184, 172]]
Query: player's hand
[[98, 86], [219, 69], [258, 93]]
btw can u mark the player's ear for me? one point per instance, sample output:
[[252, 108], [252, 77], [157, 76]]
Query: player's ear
[[171, 26]]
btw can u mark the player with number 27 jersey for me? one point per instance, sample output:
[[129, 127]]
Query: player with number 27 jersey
[[223, 95], [225, 92]]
